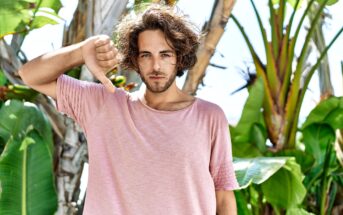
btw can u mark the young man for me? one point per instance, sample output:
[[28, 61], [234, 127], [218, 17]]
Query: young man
[[161, 152]]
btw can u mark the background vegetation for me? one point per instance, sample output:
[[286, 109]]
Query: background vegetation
[[283, 167]]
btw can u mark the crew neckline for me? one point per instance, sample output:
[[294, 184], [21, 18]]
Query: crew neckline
[[168, 111]]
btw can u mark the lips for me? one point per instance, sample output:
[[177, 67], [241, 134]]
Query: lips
[[156, 77]]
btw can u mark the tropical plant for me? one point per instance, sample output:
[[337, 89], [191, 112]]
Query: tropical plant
[[325, 179], [26, 162], [269, 120], [284, 88]]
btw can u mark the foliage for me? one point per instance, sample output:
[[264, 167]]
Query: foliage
[[319, 138], [271, 113], [26, 175], [249, 136], [24, 15], [282, 81]]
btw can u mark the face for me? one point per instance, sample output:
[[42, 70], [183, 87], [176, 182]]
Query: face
[[156, 61]]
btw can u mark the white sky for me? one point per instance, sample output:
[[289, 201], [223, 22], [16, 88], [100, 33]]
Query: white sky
[[218, 83]]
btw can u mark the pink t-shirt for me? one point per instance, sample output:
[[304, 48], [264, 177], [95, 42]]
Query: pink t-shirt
[[146, 161]]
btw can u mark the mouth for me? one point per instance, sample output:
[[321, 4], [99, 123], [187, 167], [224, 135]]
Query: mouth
[[156, 77]]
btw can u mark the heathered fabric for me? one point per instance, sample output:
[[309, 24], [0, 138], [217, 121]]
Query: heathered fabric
[[144, 161]]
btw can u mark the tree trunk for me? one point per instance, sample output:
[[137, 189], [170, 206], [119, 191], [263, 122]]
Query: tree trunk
[[325, 85], [214, 31]]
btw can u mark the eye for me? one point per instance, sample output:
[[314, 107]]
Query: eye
[[166, 55], [144, 55]]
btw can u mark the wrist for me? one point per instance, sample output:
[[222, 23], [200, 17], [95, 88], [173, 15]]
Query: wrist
[[77, 54]]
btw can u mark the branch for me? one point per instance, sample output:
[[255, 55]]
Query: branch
[[222, 10]]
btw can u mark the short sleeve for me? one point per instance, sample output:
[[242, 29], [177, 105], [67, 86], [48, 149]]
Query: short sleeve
[[221, 166], [74, 97]]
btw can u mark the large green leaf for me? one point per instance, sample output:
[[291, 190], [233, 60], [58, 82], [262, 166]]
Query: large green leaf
[[329, 111], [320, 125], [316, 138], [250, 132], [257, 170], [305, 160], [284, 189], [26, 170]]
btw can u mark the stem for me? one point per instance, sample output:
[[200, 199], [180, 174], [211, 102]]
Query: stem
[[325, 184], [23, 193]]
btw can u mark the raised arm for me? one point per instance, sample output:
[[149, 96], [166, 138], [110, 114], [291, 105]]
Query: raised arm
[[98, 53]]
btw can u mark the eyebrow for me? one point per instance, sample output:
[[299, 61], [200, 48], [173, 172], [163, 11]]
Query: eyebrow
[[161, 52]]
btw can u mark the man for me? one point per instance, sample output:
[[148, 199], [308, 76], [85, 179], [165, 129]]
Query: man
[[160, 152]]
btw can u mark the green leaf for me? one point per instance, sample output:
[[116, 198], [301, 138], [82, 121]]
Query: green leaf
[[3, 79], [329, 3], [257, 170], [40, 21], [242, 204], [26, 168], [298, 211], [26, 142], [13, 16], [17, 15], [305, 160], [320, 125], [250, 128], [316, 138], [288, 183], [245, 150], [53, 4], [328, 111]]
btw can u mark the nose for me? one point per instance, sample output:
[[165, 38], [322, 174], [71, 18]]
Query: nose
[[157, 64]]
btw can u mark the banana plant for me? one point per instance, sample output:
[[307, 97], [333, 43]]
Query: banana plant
[[325, 180], [259, 177], [284, 76], [26, 161]]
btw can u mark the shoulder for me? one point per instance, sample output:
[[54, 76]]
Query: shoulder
[[87, 90], [209, 108]]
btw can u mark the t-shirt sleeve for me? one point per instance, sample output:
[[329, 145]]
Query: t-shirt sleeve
[[221, 166], [74, 98]]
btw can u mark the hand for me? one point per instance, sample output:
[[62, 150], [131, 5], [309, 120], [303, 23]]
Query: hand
[[100, 56]]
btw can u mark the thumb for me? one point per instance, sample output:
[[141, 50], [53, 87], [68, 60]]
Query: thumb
[[106, 82]]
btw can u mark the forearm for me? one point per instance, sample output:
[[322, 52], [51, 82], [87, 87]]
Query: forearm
[[226, 203], [227, 209], [50, 66]]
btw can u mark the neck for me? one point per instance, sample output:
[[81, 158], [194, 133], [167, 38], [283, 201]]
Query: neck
[[173, 93], [171, 99]]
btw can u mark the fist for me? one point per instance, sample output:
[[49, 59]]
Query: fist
[[105, 53], [100, 57]]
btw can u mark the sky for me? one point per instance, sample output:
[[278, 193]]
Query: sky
[[231, 52]]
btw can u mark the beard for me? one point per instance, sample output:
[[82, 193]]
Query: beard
[[158, 86]]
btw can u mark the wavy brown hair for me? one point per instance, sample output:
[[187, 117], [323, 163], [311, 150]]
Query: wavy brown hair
[[180, 32]]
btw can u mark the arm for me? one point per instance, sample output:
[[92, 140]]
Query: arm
[[226, 203], [96, 52]]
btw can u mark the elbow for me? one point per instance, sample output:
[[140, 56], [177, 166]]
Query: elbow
[[23, 75]]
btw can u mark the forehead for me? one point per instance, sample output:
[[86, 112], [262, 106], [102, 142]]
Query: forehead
[[152, 41]]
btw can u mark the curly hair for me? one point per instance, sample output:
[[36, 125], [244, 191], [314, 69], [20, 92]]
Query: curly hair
[[177, 29]]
